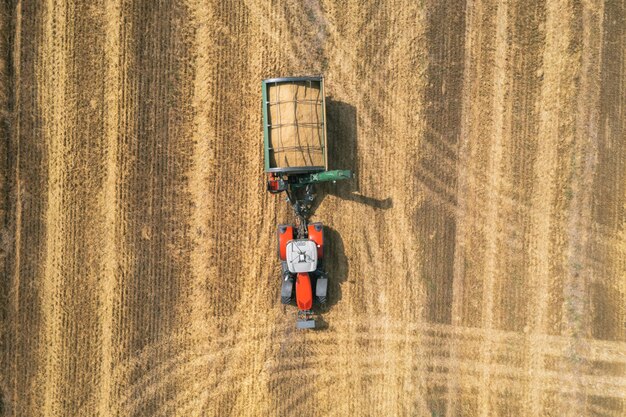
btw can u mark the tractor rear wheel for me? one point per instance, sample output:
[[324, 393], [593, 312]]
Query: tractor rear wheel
[[285, 234]]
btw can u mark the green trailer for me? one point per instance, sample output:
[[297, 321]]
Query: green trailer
[[295, 136]]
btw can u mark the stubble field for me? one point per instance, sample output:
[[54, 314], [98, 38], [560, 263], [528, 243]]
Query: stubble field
[[477, 262]]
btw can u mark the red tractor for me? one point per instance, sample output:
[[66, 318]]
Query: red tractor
[[304, 280]]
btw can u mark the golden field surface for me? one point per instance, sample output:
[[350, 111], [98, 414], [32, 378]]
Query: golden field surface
[[477, 262]]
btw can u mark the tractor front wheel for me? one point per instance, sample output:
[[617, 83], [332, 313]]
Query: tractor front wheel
[[321, 288], [286, 292]]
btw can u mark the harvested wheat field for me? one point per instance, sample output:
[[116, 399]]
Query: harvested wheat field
[[477, 262]]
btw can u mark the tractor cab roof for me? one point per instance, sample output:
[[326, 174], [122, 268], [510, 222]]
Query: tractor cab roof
[[301, 256]]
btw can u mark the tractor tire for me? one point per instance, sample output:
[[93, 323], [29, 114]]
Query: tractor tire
[[316, 234], [321, 287], [286, 290], [284, 235]]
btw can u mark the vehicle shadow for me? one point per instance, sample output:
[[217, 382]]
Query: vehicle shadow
[[341, 127]]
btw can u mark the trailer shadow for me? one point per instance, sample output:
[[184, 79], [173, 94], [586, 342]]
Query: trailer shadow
[[336, 265], [342, 131], [341, 127]]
